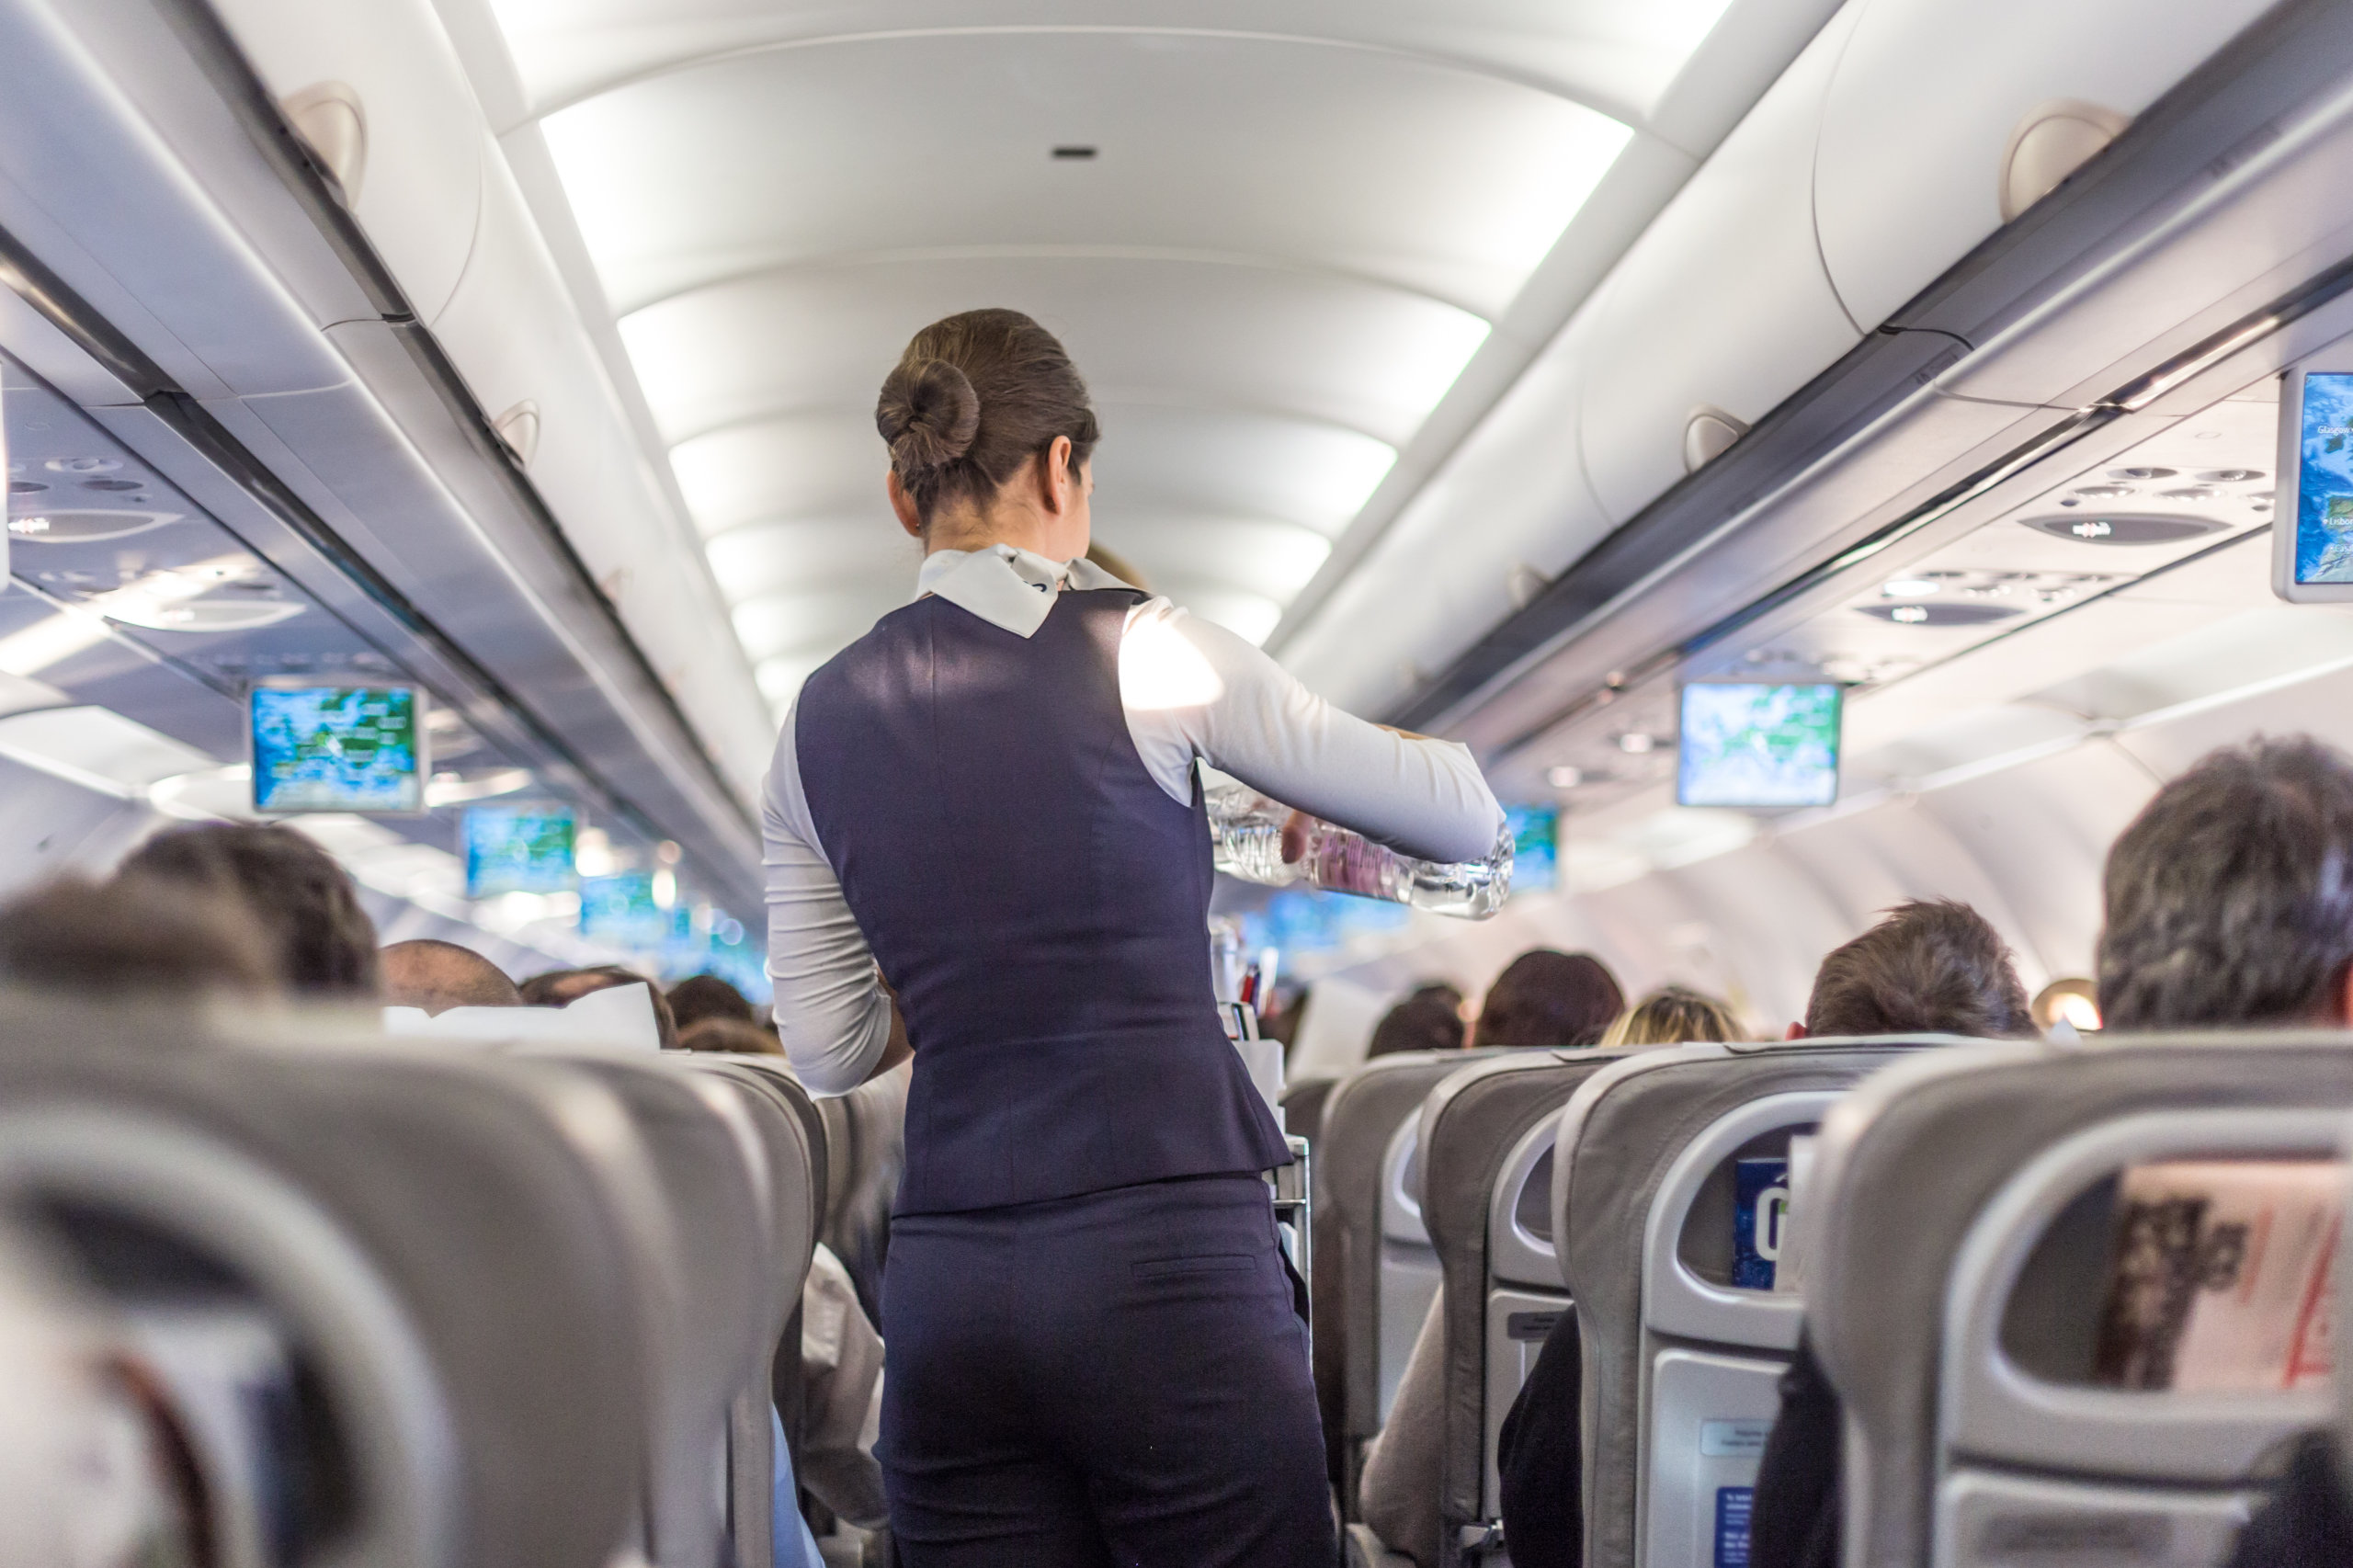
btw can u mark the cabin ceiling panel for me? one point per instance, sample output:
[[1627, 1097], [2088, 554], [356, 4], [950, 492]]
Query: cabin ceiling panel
[[1295, 226], [1619, 56], [1299, 345], [1233, 462], [1367, 164]]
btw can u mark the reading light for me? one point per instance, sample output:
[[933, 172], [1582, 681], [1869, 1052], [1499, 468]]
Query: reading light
[[1911, 615], [1565, 777], [1633, 743]]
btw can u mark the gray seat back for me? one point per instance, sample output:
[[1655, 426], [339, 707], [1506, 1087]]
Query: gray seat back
[[1480, 1129], [1373, 1277], [1957, 1262], [435, 1237], [723, 1301], [1681, 1368], [1303, 1106], [775, 1102]]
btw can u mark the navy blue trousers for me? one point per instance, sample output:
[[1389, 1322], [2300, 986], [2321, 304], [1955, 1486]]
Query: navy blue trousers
[[1119, 1379]]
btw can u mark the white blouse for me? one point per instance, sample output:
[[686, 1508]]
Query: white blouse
[[1192, 691]]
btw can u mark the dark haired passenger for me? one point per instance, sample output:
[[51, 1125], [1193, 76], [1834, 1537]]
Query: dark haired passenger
[[134, 939], [1548, 999], [1430, 1019], [2230, 905], [1932, 966], [562, 987], [323, 943], [701, 996], [731, 1035], [436, 976]]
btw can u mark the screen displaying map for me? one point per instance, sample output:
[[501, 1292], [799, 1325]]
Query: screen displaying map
[[519, 849], [1758, 746], [2324, 481], [336, 748]]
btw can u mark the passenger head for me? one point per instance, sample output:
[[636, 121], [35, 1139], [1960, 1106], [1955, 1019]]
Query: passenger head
[[1544, 998], [437, 976], [1930, 966], [1430, 1019], [729, 1035], [133, 938], [562, 987], [708, 996], [323, 943], [2230, 897], [977, 400], [1672, 1015]]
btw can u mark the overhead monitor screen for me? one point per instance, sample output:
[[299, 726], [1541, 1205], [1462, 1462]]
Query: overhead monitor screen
[[336, 748], [1757, 744], [621, 910], [519, 847], [2324, 480], [1535, 835]]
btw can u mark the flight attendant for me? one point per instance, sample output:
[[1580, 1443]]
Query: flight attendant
[[990, 801]]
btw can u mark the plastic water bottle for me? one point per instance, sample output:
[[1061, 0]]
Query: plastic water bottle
[[1246, 831]]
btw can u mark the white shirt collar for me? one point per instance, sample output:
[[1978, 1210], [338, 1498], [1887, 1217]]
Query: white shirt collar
[[1007, 586]]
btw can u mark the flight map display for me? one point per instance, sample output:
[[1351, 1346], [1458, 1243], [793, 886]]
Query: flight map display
[[1758, 746], [336, 748], [2324, 480], [518, 848]]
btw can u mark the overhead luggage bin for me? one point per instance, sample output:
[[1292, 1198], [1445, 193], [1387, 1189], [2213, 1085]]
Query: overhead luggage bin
[[1723, 307], [1958, 1273], [421, 1252], [413, 176], [1932, 103], [1683, 1361], [1483, 1135]]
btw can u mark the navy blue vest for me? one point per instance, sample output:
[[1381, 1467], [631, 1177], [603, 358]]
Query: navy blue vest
[[1039, 902]]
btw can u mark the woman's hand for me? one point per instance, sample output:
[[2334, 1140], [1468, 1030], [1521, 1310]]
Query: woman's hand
[[1298, 828]]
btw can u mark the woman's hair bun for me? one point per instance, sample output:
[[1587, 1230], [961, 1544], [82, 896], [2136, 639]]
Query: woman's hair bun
[[929, 414]]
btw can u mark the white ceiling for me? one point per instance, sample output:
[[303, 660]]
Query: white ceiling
[[1303, 220]]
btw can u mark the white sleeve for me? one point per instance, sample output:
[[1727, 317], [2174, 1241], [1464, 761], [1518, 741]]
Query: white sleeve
[[831, 1010], [1192, 688]]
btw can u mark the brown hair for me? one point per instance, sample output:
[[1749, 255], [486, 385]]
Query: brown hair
[[1544, 998], [974, 397], [1932, 966], [323, 943], [1673, 1016], [131, 936]]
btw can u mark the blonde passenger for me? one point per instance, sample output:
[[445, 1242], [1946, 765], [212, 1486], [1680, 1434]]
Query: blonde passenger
[[1671, 1015]]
